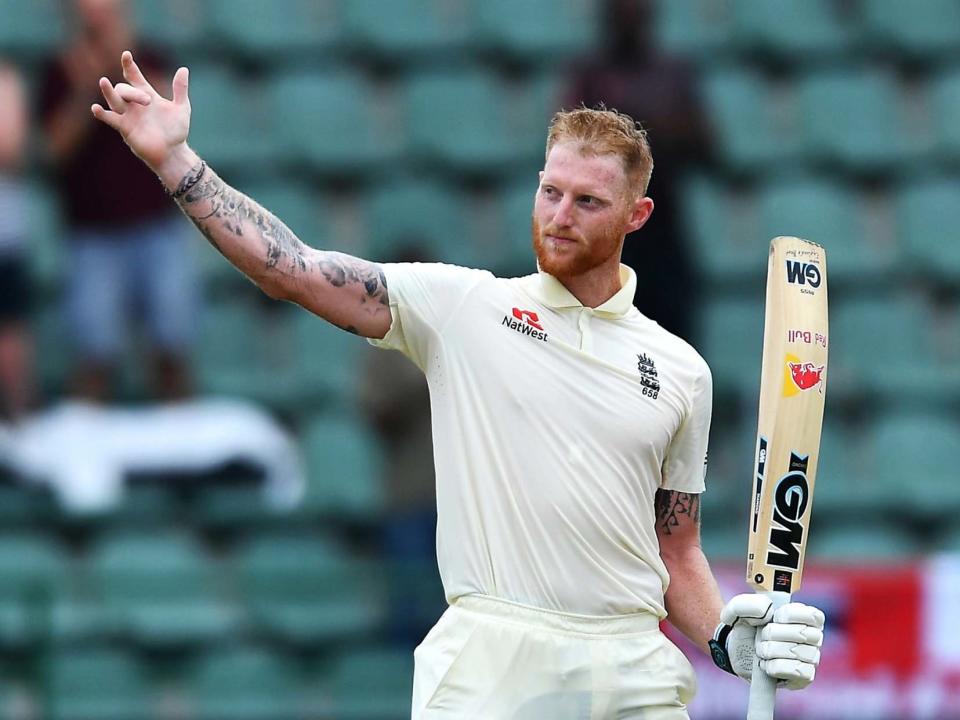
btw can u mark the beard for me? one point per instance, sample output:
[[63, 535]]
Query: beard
[[576, 259]]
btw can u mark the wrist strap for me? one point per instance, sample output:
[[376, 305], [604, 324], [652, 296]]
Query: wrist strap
[[718, 648]]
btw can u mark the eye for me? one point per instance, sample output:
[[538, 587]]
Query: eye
[[549, 191], [588, 200]]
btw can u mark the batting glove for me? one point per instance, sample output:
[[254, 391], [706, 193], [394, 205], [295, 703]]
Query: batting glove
[[787, 640]]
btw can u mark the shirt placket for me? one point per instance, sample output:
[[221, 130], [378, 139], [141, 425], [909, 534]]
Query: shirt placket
[[586, 335]]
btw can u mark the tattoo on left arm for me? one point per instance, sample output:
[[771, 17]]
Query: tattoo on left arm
[[672, 507]]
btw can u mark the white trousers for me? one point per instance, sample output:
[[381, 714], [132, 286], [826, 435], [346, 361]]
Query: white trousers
[[491, 659]]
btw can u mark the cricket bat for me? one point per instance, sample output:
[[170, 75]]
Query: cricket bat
[[792, 386]]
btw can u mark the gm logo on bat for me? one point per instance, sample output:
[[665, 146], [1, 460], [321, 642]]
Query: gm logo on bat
[[806, 275], [789, 504]]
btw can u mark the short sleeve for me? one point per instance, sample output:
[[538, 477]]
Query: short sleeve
[[685, 466], [423, 299]]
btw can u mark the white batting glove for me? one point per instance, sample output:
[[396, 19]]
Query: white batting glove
[[788, 642]]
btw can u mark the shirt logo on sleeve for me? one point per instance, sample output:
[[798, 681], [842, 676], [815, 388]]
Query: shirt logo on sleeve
[[648, 376], [525, 322]]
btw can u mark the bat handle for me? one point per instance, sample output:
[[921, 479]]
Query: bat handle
[[763, 688]]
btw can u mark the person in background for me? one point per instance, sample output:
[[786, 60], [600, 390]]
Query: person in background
[[16, 347], [128, 252], [629, 74]]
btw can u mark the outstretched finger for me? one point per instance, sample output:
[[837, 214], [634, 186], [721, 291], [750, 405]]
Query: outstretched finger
[[110, 94], [131, 94], [181, 82], [132, 73], [106, 116]]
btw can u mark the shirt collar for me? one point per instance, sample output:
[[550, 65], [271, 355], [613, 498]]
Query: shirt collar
[[552, 293]]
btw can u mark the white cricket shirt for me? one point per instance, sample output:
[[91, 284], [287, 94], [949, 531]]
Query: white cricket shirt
[[554, 424]]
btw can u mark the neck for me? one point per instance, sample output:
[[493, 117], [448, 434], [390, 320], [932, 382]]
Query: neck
[[594, 287]]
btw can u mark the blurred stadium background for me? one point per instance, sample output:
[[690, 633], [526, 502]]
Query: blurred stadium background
[[364, 123]]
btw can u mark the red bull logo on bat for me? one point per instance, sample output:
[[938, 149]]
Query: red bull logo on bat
[[800, 376]]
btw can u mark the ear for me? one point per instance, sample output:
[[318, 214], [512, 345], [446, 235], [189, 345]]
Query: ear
[[642, 209]]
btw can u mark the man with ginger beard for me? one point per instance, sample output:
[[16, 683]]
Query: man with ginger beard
[[569, 433]]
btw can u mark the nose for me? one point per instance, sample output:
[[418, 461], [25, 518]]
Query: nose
[[564, 214]]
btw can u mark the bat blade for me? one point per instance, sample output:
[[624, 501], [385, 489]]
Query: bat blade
[[792, 394]]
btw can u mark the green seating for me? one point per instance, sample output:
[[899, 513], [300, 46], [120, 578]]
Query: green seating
[[158, 589], [507, 248], [877, 543], [336, 129], [326, 360], [45, 237], [842, 480], [794, 30], [302, 589], [752, 133], [830, 213], [418, 213], [229, 123], [97, 683], [35, 592], [275, 32], [404, 31], [924, 30], [461, 121], [853, 118], [535, 31], [946, 113], [923, 211], [31, 28], [245, 683], [177, 24], [344, 469], [731, 341], [729, 251], [882, 350], [917, 449], [700, 29], [372, 684]]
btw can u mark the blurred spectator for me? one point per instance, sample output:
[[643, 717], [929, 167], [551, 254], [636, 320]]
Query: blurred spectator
[[630, 75], [396, 403], [128, 249], [16, 381]]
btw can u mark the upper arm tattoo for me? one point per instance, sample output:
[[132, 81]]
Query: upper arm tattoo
[[673, 508]]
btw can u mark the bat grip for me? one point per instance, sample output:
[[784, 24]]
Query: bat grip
[[763, 688]]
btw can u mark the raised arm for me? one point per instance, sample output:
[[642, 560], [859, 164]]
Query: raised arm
[[349, 292]]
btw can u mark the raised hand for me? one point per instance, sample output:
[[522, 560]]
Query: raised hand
[[151, 125]]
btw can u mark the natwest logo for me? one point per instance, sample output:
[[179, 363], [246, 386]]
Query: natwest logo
[[525, 322]]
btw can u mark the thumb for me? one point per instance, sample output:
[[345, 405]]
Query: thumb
[[181, 81]]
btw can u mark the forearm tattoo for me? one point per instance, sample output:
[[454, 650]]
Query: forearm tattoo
[[672, 508], [235, 213]]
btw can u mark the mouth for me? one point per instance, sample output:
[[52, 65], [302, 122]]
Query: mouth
[[560, 241]]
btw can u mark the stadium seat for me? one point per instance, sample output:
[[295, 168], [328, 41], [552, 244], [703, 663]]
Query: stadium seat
[[409, 212], [724, 537], [275, 32], [337, 128], [731, 341], [803, 31], [31, 29], [924, 212], [830, 213], [508, 249], [842, 478], [405, 31], [36, 594], [946, 113], [177, 24], [882, 350], [700, 29], [97, 683], [535, 31], [924, 30], [159, 589], [460, 121], [917, 449], [728, 250], [229, 122], [305, 590], [752, 126], [371, 684], [344, 469], [244, 683], [326, 357], [877, 543], [45, 237], [854, 118]]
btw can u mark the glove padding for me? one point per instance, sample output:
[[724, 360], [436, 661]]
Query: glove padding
[[788, 642]]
